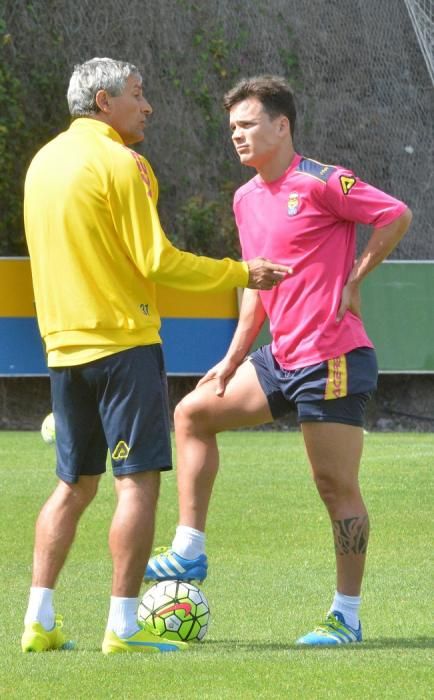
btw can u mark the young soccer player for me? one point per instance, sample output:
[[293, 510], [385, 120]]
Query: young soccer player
[[304, 214], [96, 250]]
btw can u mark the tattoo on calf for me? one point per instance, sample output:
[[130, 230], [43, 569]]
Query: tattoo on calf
[[351, 535]]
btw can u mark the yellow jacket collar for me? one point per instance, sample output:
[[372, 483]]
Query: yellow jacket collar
[[96, 125]]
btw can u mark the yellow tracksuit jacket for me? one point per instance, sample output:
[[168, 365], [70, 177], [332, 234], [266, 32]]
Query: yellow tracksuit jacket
[[97, 248]]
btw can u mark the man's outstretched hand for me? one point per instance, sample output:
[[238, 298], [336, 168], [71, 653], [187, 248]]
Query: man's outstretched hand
[[264, 274]]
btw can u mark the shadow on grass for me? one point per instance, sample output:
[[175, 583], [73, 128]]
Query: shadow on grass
[[371, 644]]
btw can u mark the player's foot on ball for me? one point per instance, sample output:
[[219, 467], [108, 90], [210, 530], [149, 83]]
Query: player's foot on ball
[[332, 632], [143, 641], [166, 565], [37, 638]]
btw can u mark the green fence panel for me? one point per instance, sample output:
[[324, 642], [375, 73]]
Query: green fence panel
[[398, 310]]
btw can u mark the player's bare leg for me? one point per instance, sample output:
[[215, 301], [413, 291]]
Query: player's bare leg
[[132, 530], [334, 451], [198, 418], [56, 527], [55, 531], [131, 536]]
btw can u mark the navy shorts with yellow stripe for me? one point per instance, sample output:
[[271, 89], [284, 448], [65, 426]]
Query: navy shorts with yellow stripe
[[333, 391], [118, 403]]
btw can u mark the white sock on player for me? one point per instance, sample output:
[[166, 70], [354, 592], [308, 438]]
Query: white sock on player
[[188, 542], [348, 605], [40, 608], [122, 619]]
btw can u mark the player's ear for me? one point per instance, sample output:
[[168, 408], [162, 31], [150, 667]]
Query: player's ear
[[283, 125], [102, 100]]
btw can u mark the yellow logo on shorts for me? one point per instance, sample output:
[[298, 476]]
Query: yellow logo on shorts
[[121, 450], [337, 380]]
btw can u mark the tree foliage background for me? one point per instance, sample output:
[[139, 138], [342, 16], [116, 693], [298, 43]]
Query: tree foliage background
[[363, 94]]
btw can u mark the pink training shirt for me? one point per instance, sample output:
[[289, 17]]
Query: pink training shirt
[[307, 220]]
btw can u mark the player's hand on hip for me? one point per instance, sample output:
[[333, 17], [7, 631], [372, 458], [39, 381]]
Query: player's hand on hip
[[350, 301], [264, 274]]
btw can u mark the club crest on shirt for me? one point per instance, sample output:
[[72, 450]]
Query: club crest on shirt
[[293, 203]]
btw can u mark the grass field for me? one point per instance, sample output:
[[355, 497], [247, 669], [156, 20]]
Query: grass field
[[271, 579]]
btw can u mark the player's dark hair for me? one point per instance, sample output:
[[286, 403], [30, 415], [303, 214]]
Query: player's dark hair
[[271, 90]]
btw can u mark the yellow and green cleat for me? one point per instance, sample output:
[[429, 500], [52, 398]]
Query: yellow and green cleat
[[142, 641], [37, 638]]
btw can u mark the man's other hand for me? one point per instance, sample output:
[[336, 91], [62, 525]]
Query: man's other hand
[[264, 274]]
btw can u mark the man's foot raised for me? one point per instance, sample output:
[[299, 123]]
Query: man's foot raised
[[166, 565], [142, 641], [332, 632], [37, 638]]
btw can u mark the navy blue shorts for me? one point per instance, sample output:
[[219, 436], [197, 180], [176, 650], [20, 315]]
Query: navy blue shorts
[[334, 391], [119, 403]]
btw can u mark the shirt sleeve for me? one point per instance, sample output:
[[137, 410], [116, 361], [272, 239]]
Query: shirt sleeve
[[351, 199], [133, 205]]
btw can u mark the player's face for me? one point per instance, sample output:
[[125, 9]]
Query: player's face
[[257, 137], [129, 111]]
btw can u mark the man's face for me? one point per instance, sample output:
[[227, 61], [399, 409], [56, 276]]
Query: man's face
[[257, 137], [128, 111]]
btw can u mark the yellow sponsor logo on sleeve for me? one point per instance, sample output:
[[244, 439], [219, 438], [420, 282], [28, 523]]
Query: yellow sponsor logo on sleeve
[[347, 183]]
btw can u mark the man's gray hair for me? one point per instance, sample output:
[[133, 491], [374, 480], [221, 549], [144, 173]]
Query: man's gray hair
[[93, 75]]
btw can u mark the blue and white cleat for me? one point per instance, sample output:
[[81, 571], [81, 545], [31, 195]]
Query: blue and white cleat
[[332, 632], [166, 565]]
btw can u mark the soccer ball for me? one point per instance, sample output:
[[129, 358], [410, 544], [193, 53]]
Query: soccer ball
[[175, 610], [48, 429]]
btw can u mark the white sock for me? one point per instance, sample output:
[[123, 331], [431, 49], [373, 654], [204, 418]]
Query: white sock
[[122, 619], [40, 608], [348, 605], [188, 542]]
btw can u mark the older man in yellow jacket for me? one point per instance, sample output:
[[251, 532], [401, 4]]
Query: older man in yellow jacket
[[97, 249]]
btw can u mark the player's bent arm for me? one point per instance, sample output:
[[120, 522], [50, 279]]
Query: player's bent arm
[[252, 316], [381, 243]]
